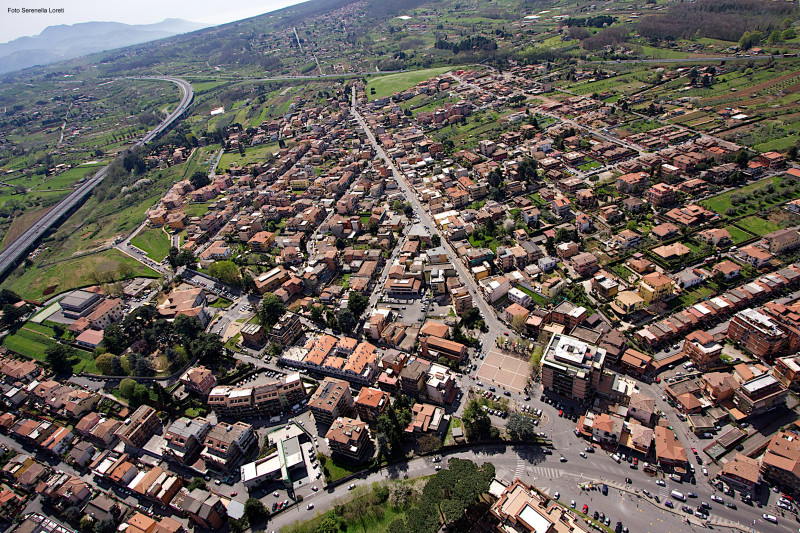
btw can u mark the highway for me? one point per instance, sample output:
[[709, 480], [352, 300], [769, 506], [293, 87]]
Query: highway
[[11, 255]]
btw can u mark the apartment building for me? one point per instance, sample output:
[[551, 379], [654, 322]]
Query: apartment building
[[268, 399], [138, 429], [349, 439], [331, 400], [571, 367], [757, 332]]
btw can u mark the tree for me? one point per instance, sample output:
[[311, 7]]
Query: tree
[[126, 387], [357, 303], [477, 425], [315, 312], [436, 240], [103, 363], [346, 320], [225, 271], [140, 395], [187, 327], [255, 511], [199, 179], [196, 483], [271, 310], [60, 358], [518, 324], [521, 427], [12, 313], [429, 443], [742, 158]]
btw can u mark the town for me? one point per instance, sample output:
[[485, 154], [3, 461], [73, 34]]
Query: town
[[467, 298]]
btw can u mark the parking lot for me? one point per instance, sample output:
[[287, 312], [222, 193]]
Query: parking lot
[[409, 311]]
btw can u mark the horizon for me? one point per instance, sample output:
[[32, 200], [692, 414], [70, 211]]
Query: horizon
[[144, 12]]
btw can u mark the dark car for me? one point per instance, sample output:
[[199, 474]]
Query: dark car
[[604, 489]]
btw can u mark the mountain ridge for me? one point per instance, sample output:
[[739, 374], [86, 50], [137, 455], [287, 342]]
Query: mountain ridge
[[61, 42]]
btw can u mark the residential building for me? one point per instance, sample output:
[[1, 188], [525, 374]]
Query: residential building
[[572, 368], [521, 508], [426, 418], [184, 439], [286, 330], [331, 400], [670, 453], [787, 370], [138, 429], [757, 332], [759, 395], [199, 380], [349, 439], [781, 462], [741, 473], [253, 335], [435, 347], [226, 444], [702, 349], [371, 403], [271, 398], [654, 287]]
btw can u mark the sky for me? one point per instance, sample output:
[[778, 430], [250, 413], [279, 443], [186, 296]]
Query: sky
[[211, 12]]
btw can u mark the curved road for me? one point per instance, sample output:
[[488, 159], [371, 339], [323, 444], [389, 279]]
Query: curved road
[[20, 246]]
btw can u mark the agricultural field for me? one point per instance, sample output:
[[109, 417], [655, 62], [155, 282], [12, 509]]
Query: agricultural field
[[758, 192], [388, 85]]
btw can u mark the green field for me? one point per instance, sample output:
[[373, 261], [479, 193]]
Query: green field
[[30, 282], [154, 242], [388, 85], [255, 154], [757, 226], [738, 235]]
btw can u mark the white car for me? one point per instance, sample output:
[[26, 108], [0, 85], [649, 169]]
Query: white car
[[557, 495], [351, 486], [310, 506], [770, 518], [705, 471]]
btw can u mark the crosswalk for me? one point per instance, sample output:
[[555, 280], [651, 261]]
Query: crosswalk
[[520, 471], [663, 493], [543, 472]]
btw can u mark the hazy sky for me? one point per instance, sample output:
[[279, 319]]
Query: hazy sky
[[130, 12]]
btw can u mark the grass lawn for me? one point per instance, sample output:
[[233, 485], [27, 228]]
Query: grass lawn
[[222, 303], [195, 210], [488, 242], [586, 167], [737, 234], [692, 296], [454, 423], [154, 242], [335, 471], [231, 343], [388, 85], [722, 202], [28, 343], [757, 226], [31, 282]]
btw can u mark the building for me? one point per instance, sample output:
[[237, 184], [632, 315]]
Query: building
[[253, 335], [349, 439], [331, 400], [782, 240], [635, 363], [199, 380], [759, 395], [787, 370], [521, 508], [225, 444], [435, 347], [271, 398], [106, 312], [702, 349], [371, 403], [572, 368], [654, 287], [440, 384], [742, 473], [203, 508], [79, 303], [286, 330], [670, 454], [781, 462], [426, 418], [184, 439], [138, 429], [189, 302], [759, 333]]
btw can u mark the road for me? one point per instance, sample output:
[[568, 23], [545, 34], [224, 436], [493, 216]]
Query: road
[[13, 253], [496, 328]]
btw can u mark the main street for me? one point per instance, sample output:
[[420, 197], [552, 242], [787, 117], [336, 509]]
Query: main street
[[496, 328]]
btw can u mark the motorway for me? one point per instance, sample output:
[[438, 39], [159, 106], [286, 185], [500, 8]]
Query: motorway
[[11, 255]]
